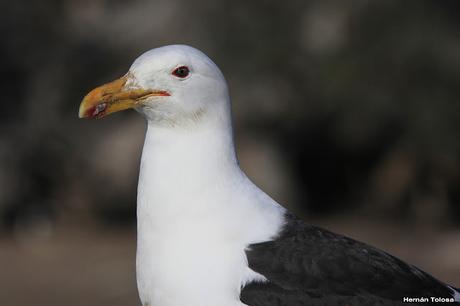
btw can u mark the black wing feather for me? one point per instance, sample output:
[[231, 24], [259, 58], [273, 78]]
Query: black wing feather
[[307, 265]]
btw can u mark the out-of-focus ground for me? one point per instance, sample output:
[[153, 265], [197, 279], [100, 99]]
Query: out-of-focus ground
[[96, 265], [341, 108]]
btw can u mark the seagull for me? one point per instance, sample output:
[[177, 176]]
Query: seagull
[[206, 234]]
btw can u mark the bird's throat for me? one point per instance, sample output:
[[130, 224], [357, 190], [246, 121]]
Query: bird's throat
[[183, 177]]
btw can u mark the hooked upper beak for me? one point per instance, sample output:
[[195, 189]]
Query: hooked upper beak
[[114, 97]]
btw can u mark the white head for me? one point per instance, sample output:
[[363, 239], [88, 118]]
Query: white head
[[173, 85]]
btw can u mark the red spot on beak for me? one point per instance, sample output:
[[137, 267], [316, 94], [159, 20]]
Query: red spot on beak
[[96, 110]]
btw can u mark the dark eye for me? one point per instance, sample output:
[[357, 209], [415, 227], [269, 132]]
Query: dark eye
[[181, 72]]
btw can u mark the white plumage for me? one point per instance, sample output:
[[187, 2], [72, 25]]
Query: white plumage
[[197, 211]]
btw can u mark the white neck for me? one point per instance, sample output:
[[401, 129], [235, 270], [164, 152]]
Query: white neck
[[197, 212], [180, 160]]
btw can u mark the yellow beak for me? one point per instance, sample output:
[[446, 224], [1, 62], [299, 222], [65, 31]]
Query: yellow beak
[[113, 97]]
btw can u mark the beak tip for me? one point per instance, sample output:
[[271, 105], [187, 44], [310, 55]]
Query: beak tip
[[80, 115], [82, 111]]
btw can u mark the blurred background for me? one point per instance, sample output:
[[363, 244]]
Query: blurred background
[[346, 112]]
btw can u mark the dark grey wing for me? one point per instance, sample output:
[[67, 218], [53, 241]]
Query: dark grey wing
[[307, 265]]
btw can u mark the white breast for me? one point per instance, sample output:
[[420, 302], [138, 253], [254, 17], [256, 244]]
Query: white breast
[[197, 212]]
